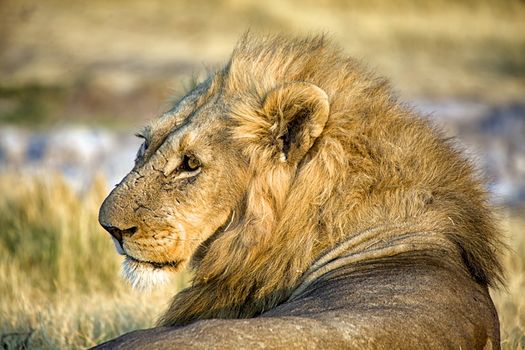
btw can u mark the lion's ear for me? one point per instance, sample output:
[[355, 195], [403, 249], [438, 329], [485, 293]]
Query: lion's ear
[[299, 111]]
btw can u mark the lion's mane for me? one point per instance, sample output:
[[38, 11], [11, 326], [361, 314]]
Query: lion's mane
[[375, 163]]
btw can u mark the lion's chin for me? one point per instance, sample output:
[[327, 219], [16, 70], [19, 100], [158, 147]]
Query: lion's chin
[[145, 276]]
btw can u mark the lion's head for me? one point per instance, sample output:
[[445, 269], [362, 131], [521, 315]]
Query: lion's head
[[187, 180], [277, 157]]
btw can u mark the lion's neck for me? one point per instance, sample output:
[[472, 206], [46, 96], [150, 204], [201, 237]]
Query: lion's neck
[[259, 282], [258, 264], [377, 243]]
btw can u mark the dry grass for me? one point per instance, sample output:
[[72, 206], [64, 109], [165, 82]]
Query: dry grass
[[59, 272], [511, 302]]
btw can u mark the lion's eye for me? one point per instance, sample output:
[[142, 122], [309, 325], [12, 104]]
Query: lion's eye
[[190, 163]]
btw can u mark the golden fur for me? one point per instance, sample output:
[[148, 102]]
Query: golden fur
[[316, 149]]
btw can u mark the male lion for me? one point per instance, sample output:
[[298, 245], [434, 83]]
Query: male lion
[[315, 209]]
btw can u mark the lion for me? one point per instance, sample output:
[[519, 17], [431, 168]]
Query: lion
[[315, 209]]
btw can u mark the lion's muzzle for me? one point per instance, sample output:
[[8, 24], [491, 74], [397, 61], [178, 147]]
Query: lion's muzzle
[[116, 217]]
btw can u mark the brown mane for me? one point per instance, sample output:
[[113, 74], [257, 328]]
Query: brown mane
[[375, 163]]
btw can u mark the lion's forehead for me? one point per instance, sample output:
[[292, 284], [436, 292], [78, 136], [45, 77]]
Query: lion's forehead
[[191, 123]]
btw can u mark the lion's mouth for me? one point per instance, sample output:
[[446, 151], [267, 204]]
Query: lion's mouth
[[155, 264]]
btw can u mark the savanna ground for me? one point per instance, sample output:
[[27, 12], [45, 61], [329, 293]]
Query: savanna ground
[[112, 64]]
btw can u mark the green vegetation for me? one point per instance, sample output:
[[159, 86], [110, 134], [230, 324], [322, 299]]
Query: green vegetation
[[30, 104]]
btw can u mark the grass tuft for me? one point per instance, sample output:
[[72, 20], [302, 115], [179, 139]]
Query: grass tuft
[[59, 272]]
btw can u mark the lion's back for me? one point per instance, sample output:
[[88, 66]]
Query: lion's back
[[419, 303]]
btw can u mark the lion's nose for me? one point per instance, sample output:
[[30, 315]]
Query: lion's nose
[[117, 233]]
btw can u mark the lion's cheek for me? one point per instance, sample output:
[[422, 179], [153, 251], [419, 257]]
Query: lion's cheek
[[179, 250]]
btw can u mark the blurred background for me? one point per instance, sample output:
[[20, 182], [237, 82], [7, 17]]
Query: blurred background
[[78, 78]]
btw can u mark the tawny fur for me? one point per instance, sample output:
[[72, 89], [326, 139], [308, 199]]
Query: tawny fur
[[375, 162]]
